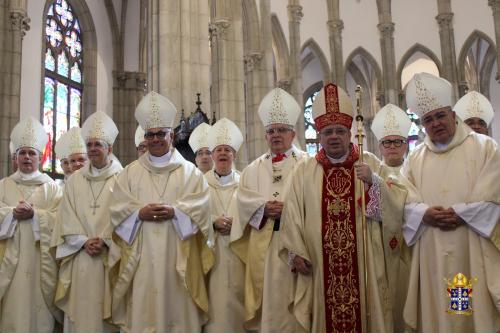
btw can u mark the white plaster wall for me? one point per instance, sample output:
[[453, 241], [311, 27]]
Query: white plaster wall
[[279, 7], [415, 23], [311, 74], [495, 101], [360, 27], [31, 70], [314, 24], [470, 16], [131, 42]]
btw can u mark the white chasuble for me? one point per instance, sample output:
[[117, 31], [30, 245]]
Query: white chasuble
[[83, 290], [28, 271], [464, 175], [158, 278], [268, 280], [227, 277], [322, 224]]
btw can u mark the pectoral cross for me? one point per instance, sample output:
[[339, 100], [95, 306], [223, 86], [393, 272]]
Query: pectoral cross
[[94, 206]]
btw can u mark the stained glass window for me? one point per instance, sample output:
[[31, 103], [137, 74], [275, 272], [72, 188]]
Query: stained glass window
[[312, 144], [63, 86]]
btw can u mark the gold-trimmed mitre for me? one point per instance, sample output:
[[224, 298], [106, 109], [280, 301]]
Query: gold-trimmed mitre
[[391, 120], [474, 105], [279, 107], [155, 111], [70, 143], [199, 137], [225, 132], [139, 136], [99, 126], [29, 133], [426, 92]]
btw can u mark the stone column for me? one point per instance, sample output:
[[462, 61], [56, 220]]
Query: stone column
[[179, 51], [335, 27], [390, 78], [294, 16], [495, 7], [128, 89], [227, 84], [14, 23], [447, 39]]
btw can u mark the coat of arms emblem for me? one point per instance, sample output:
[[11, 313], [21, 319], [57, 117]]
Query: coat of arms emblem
[[460, 294]]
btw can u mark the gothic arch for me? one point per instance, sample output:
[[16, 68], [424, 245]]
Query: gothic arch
[[362, 52], [414, 49], [116, 33], [251, 26], [316, 50], [486, 65], [89, 39], [280, 48]]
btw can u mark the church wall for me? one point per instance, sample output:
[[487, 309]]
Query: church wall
[[314, 25], [131, 40], [279, 7], [311, 74], [470, 16], [31, 89], [495, 100], [360, 28], [415, 23]]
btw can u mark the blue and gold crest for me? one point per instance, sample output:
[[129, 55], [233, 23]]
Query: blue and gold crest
[[460, 293]]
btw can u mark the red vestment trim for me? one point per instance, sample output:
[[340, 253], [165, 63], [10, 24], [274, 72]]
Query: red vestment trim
[[340, 255]]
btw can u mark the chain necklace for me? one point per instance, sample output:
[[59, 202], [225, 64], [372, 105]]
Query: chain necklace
[[161, 196], [95, 205]]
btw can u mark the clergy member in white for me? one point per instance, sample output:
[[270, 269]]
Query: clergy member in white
[[83, 231], [452, 207], [161, 214], [72, 151], [227, 277], [199, 145], [391, 126], [62, 155], [322, 229], [476, 111], [140, 142], [28, 271], [13, 157], [263, 186]]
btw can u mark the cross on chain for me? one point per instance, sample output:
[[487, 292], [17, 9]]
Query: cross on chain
[[94, 206]]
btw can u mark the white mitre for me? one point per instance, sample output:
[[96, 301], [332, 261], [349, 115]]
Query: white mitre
[[11, 148], [426, 92], [70, 143], [99, 126], [474, 105], [29, 133], [225, 132], [279, 107], [139, 136], [391, 120], [155, 111], [199, 137]]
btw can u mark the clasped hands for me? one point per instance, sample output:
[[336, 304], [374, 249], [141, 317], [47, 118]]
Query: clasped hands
[[23, 211], [156, 212], [94, 246], [444, 219], [273, 209], [223, 225]]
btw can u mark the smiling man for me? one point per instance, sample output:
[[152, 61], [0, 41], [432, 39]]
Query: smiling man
[[476, 111], [29, 200], [262, 189], [227, 277], [82, 236], [452, 208], [161, 215], [72, 151]]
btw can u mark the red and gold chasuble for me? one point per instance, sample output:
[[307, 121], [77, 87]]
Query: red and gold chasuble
[[340, 253]]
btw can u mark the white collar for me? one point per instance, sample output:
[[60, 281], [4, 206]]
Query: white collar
[[223, 180], [338, 160], [29, 176], [160, 161], [441, 146], [94, 171]]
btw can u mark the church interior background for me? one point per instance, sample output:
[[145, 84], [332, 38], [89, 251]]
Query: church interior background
[[61, 60]]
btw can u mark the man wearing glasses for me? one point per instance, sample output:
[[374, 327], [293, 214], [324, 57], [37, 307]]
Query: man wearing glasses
[[198, 141], [161, 214], [261, 193]]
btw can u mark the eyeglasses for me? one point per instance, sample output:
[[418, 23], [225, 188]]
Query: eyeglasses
[[160, 135], [280, 130], [397, 143]]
